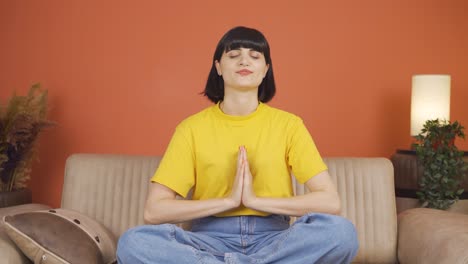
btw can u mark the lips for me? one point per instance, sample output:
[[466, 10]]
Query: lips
[[244, 72]]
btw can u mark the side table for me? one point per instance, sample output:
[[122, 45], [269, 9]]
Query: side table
[[407, 172]]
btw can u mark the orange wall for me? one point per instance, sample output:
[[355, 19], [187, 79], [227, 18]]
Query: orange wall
[[122, 74]]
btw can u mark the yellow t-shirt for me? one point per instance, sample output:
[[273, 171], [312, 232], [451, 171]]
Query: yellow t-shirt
[[202, 154]]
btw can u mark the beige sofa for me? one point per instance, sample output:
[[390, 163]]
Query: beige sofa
[[112, 190]]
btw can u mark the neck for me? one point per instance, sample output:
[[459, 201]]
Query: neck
[[239, 106]]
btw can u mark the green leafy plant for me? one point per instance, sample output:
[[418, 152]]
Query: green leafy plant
[[443, 163], [22, 118]]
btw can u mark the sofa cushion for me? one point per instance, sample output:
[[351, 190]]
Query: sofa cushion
[[9, 252], [60, 236], [430, 236]]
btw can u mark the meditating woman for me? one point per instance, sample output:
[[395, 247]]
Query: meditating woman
[[236, 158]]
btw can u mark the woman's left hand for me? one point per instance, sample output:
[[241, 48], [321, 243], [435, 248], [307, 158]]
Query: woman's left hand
[[248, 194]]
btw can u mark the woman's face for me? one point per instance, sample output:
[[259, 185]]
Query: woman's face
[[242, 68]]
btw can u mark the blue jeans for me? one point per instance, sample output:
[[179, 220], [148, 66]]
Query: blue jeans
[[313, 238]]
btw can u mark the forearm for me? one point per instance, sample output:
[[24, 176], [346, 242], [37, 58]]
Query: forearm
[[318, 202], [176, 211]]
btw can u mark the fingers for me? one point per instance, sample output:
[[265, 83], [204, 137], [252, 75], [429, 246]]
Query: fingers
[[239, 158], [237, 185], [246, 168], [243, 151], [248, 194]]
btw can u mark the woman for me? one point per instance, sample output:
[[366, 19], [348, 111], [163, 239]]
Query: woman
[[237, 157]]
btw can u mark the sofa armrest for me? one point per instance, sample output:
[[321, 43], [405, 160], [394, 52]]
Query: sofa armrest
[[432, 236], [9, 252]]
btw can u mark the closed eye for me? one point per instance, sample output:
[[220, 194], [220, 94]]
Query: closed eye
[[233, 54], [255, 54]]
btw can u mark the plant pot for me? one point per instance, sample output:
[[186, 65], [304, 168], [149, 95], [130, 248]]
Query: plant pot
[[16, 197]]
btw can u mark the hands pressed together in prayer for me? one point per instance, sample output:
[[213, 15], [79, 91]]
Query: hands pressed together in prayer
[[242, 189], [163, 207]]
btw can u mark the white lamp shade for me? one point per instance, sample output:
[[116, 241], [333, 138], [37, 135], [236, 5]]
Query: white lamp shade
[[430, 99]]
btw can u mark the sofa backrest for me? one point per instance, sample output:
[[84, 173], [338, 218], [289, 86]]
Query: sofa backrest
[[112, 189], [367, 191], [109, 188]]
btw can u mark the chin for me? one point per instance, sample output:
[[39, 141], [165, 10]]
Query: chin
[[247, 85]]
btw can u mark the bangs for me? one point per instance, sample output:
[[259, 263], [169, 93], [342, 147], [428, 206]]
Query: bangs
[[254, 44]]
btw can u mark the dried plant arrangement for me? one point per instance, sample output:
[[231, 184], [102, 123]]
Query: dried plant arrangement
[[22, 119]]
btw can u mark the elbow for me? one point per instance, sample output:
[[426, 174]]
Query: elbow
[[332, 204], [147, 217], [150, 217], [335, 206]]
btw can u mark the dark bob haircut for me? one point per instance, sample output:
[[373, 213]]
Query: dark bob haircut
[[240, 37]]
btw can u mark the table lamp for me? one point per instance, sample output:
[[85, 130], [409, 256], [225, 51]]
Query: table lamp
[[430, 99]]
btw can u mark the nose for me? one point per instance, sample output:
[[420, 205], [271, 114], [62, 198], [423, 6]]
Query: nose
[[244, 60]]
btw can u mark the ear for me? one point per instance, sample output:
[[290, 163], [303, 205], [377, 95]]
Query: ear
[[218, 68]]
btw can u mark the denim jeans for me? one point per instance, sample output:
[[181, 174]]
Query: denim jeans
[[313, 238]]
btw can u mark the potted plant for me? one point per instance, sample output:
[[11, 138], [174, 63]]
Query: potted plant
[[22, 118], [442, 162]]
